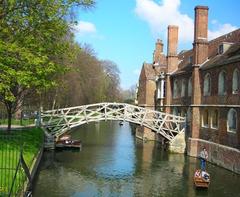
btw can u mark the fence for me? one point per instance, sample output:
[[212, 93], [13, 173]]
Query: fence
[[13, 172]]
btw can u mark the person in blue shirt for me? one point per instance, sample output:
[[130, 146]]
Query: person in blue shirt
[[203, 157]]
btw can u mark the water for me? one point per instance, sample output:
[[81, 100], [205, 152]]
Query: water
[[113, 163]]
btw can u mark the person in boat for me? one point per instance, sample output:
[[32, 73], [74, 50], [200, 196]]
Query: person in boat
[[197, 173], [203, 158], [205, 175]]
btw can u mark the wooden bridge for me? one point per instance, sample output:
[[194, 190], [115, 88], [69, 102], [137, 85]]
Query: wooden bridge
[[57, 122]]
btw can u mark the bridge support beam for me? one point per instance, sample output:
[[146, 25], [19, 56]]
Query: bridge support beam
[[178, 144], [145, 133]]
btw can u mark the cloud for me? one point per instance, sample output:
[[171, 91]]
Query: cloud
[[220, 30], [136, 72], [160, 15], [84, 27], [167, 12]]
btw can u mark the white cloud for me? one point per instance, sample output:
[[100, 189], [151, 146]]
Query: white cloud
[[136, 72], [214, 21], [167, 12], [160, 15], [84, 27], [220, 30]]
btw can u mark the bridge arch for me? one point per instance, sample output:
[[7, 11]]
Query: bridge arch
[[59, 121]]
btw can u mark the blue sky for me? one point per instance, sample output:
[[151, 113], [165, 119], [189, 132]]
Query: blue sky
[[125, 31]]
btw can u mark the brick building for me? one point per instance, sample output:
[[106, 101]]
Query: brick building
[[204, 83], [148, 87]]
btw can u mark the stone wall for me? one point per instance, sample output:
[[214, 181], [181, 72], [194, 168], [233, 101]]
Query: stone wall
[[178, 144], [145, 133], [218, 154]]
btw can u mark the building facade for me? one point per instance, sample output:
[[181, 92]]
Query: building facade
[[203, 84], [150, 93]]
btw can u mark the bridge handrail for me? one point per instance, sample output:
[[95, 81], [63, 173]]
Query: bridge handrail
[[107, 104], [61, 120]]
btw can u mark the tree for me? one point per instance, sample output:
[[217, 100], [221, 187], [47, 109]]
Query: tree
[[129, 95], [89, 80], [112, 73], [34, 38]]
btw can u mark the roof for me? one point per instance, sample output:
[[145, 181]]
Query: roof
[[152, 71], [184, 66], [230, 56]]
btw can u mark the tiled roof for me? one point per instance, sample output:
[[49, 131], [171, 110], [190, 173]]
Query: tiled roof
[[152, 71], [184, 65], [230, 56]]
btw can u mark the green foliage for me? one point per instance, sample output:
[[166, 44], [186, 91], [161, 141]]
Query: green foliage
[[21, 68], [34, 40], [89, 80]]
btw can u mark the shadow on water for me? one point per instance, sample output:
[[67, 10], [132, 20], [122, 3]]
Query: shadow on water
[[113, 163]]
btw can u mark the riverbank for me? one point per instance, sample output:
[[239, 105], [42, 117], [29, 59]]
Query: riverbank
[[224, 156], [113, 162], [27, 140]]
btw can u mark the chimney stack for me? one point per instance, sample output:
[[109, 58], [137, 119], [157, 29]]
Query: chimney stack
[[172, 40], [200, 45], [172, 59], [158, 52], [200, 55], [172, 63], [159, 46]]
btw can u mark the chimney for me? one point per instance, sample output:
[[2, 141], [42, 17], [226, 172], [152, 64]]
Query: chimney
[[172, 59], [200, 45], [172, 63], [158, 52], [200, 55]]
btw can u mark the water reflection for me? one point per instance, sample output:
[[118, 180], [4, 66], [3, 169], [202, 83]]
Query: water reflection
[[113, 163]]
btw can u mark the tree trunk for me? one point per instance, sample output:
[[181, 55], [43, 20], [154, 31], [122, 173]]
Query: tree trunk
[[9, 111]]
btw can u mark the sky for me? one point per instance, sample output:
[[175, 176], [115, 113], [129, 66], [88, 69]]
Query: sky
[[125, 31]]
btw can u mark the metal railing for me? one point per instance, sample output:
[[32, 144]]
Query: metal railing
[[13, 174]]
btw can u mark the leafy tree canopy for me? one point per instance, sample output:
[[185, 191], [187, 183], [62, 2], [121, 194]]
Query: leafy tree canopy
[[34, 39]]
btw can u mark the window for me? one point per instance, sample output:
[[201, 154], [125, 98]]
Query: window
[[223, 47], [175, 89], [164, 89], [222, 83], [190, 86], [232, 120], [175, 111], [214, 119], [220, 49], [190, 60], [183, 113], [183, 90], [236, 81], [189, 114], [207, 85], [205, 118], [158, 89]]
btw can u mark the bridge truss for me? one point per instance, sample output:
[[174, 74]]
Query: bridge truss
[[59, 121]]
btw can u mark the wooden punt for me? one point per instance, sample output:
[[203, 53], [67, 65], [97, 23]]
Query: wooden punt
[[67, 142], [201, 179]]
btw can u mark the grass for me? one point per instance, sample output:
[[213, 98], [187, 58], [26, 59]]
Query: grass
[[24, 122], [10, 145]]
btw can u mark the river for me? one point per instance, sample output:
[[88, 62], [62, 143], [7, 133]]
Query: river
[[113, 163]]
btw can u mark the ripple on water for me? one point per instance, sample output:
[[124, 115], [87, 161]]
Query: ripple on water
[[112, 163]]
